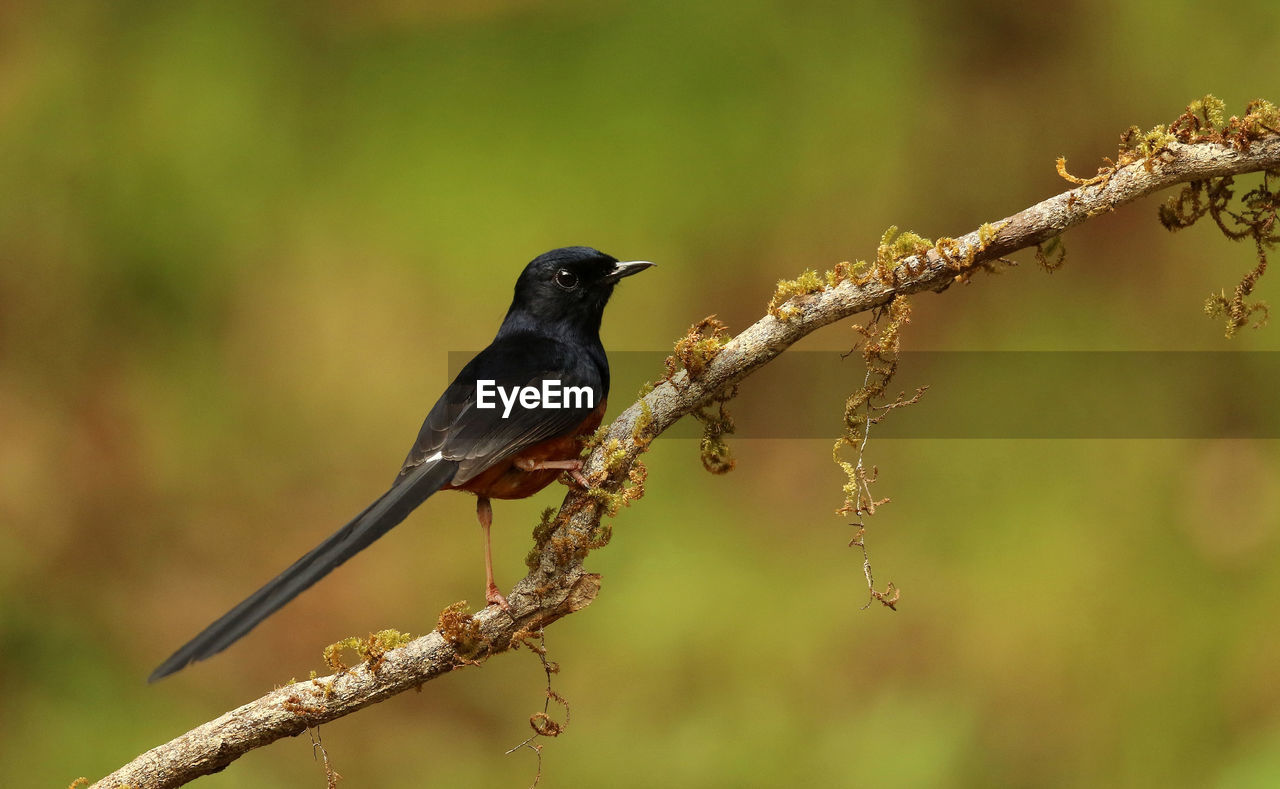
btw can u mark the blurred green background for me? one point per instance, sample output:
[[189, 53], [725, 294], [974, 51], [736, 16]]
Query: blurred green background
[[238, 241]]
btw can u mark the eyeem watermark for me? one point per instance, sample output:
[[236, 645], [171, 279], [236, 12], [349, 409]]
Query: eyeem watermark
[[992, 394], [552, 394]]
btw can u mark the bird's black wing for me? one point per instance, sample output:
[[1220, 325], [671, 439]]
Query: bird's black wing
[[476, 438]]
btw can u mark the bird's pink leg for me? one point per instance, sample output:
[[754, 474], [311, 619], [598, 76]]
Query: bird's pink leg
[[574, 467], [491, 594]]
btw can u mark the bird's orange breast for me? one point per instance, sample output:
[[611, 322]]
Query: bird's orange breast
[[504, 480]]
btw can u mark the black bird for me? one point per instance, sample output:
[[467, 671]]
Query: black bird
[[479, 436]]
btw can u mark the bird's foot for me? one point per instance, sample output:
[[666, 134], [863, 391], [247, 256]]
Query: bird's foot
[[494, 597], [572, 467]]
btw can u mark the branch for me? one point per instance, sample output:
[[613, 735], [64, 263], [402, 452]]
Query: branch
[[559, 585]]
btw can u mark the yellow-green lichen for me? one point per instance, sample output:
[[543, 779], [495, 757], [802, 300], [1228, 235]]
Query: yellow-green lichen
[[780, 305], [961, 258], [894, 248], [632, 489], [1238, 311], [1210, 109], [1136, 144], [847, 272], [987, 233], [698, 347], [644, 423], [615, 456], [1260, 117], [370, 649], [1252, 216], [595, 439], [541, 533], [716, 424]]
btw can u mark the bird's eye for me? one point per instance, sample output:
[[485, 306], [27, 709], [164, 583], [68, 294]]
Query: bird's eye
[[566, 279]]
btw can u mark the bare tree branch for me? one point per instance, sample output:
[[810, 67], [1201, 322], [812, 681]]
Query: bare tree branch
[[560, 586]]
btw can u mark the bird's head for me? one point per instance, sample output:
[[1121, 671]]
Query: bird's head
[[568, 287]]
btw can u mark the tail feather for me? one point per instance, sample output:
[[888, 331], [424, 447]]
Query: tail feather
[[377, 519]]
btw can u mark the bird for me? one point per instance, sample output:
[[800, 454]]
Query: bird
[[506, 427]]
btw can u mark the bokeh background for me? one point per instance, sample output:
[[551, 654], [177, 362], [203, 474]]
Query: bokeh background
[[239, 240]]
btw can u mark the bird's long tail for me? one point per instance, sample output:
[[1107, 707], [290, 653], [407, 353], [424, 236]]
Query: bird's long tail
[[377, 519]]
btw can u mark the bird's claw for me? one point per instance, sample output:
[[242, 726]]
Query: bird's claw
[[494, 597]]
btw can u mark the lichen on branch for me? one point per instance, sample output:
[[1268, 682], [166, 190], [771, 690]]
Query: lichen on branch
[[1204, 122], [1252, 218]]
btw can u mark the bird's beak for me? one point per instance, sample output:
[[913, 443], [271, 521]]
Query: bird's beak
[[626, 268]]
